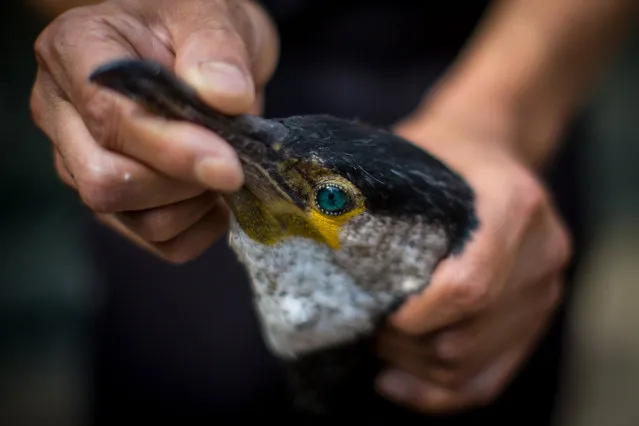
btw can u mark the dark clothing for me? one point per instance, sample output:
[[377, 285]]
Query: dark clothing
[[182, 343]]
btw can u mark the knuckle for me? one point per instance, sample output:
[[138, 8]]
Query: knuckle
[[64, 32], [530, 195], [54, 36], [63, 171], [102, 115], [450, 347], [99, 188], [42, 46], [225, 34], [78, 30], [37, 107], [179, 254], [223, 30], [158, 225], [471, 295], [220, 31], [68, 29]]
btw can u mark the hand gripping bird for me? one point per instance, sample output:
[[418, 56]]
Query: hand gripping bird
[[337, 224]]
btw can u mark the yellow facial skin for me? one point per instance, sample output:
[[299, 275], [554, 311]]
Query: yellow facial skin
[[268, 217]]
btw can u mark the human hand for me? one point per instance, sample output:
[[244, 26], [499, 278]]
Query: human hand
[[155, 181], [459, 343]]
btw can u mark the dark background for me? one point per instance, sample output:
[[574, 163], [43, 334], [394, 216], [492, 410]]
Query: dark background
[[93, 330]]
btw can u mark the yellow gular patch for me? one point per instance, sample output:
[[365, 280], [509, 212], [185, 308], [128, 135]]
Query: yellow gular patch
[[329, 226], [269, 220], [269, 223], [272, 223]]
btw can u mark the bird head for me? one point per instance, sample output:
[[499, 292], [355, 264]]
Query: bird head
[[337, 222]]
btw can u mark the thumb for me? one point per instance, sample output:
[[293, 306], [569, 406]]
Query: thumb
[[217, 51]]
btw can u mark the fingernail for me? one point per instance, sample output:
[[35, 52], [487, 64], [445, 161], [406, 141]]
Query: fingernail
[[398, 385], [223, 174], [223, 77]]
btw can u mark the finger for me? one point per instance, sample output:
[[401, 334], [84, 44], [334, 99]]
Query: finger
[[212, 56], [108, 181], [258, 106], [451, 356], [72, 48], [409, 359], [442, 359], [473, 344], [394, 344], [461, 287], [185, 247], [220, 48], [264, 45], [464, 284], [83, 39], [105, 113], [181, 150], [400, 385], [547, 243], [488, 385], [442, 348], [62, 170], [167, 222], [405, 388]]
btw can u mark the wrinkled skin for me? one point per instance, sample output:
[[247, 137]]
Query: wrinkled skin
[[128, 167], [156, 182], [458, 344]]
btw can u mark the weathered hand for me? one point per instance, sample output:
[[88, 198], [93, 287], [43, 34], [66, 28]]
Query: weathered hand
[[153, 180], [460, 342]]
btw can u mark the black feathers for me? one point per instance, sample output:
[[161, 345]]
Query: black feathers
[[396, 177]]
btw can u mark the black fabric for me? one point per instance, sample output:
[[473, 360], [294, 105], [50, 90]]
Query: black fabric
[[183, 344]]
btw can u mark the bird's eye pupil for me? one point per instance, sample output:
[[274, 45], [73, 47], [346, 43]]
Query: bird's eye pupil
[[332, 199]]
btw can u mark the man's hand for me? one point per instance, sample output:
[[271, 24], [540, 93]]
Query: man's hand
[[497, 117], [460, 342], [153, 180]]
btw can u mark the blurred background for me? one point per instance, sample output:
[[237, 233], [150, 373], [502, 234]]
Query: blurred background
[[91, 328]]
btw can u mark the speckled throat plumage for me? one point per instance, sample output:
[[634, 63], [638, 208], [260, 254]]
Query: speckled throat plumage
[[310, 297]]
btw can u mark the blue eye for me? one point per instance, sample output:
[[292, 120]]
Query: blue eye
[[332, 200]]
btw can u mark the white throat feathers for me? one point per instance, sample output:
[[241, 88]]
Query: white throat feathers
[[309, 297]]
